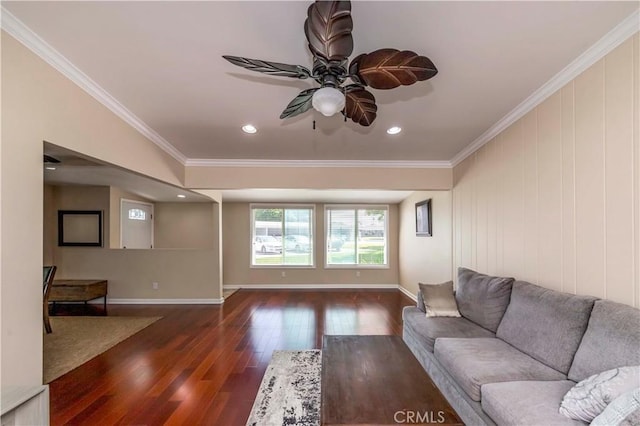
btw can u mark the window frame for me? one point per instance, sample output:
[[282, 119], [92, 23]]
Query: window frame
[[356, 207], [283, 206]]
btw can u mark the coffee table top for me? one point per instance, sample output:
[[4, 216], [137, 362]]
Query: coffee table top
[[377, 380]]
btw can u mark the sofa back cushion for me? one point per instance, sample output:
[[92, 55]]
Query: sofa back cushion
[[545, 324], [612, 340], [481, 298]]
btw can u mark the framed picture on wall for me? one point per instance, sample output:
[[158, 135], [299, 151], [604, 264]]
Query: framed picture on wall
[[423, 218], [80, 228]]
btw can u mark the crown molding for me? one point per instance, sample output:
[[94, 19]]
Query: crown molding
[[46, 52], [196, 162], [602, 47]]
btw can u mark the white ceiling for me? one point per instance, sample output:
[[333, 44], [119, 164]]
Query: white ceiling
[[162, 61]]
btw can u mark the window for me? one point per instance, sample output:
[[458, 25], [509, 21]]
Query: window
[[356, 235], [281, 235], [137, 214]]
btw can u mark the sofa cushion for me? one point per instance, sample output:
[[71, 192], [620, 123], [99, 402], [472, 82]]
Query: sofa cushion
[[482, 298], [476, 362], [429, 329], [545, 324], [612, 340], [526, 403], [420, 302], [439, 300]]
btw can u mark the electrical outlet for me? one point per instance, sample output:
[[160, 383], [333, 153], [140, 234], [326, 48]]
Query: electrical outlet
[[154, 285], [284, 274], [357, 273]]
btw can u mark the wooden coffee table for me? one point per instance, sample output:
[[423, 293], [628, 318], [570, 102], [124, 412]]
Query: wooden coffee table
[[376, 380]]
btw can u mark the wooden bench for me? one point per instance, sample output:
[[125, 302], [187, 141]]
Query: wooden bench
[[79, 291]]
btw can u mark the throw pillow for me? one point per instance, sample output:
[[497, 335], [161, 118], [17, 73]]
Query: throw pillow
[[481, 298], [587, 399], [439, 300], [623, 411]]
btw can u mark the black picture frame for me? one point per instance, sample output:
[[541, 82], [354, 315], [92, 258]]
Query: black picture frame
[[423, 219], [83, 228]]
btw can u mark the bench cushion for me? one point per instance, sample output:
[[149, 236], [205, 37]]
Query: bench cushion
[[429, 329], [527, 403], [481, 298], [612, 340], [545, 324], [476, 362]]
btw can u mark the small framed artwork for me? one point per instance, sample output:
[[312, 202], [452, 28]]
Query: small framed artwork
[[80, 228], [423, 218]]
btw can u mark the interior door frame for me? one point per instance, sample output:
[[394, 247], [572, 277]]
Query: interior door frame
[[122, 201]]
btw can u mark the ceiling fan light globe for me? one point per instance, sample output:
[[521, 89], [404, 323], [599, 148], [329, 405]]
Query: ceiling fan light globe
[[328, 101]]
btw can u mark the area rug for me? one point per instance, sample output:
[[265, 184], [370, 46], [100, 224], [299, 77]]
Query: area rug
[[75, 340], [290, 390]]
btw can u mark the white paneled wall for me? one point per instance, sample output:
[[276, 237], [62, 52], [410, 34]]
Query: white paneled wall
[[555, 199]]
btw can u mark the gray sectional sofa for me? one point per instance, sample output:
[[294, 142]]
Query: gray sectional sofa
[[518, 348]]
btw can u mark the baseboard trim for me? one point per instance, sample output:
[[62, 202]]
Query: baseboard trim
[[408, 293], [311, 286], [166, 301]]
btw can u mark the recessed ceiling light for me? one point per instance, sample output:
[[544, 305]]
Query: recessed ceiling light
[[249, 128], [50, 168], [394, 130], [182, 196]]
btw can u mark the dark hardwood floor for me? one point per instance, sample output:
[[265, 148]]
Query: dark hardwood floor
[[202, 364]]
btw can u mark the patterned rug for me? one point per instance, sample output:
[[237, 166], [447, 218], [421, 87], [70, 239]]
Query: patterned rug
[[290, 391]]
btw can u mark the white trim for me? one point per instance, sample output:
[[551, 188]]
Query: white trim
[[202, 162], [44, 50], [606, 44], [166, 301], [310, 286], [408, 293]]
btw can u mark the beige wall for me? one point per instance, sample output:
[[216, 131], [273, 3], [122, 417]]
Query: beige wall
[[50, 231], [185, 225], [180, 274], [554, 199], [425, 259], [236, 237], [38, 104], [318, 178]]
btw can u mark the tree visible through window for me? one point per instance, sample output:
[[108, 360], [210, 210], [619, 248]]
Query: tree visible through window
[[282, 236], [356, 235]]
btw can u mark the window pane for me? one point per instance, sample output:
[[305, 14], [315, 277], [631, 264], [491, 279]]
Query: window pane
[[137, 214], [372, 239], [298, 246], [341, 237], [282, 236], [356, 236]]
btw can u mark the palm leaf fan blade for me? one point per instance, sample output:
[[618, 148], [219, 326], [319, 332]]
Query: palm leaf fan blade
[[299, 104], [361, 106], [272, 68], [328, 30], [390, 68]]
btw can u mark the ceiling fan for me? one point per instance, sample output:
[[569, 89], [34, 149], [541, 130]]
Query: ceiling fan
[[328, 30]]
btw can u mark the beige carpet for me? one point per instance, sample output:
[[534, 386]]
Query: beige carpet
[[75, 340]]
